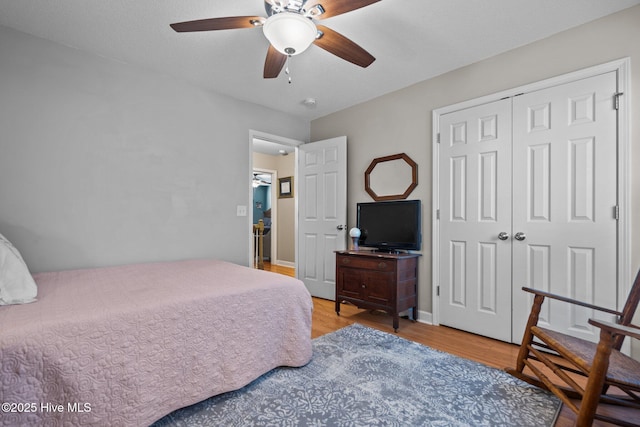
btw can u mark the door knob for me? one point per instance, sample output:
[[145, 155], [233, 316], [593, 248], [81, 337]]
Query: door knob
[[341, 227], [520, 236], [503, 235]]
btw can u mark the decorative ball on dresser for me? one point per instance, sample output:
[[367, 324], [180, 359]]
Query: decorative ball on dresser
[[355, 236]]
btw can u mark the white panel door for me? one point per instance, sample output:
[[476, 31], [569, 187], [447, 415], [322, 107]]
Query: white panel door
[[564, 196], [322, 213], [475, 208]]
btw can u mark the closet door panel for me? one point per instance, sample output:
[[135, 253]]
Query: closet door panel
[[475, 207], [563, 200]]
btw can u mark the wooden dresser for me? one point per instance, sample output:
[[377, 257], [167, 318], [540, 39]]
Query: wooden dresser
[[378, 280]]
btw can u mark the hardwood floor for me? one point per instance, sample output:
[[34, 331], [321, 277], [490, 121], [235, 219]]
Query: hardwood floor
[[287, 271], [463, 344]]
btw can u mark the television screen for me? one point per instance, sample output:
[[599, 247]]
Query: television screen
[[390, 226]]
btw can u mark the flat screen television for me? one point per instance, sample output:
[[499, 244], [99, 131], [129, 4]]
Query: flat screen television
[[390, 226]]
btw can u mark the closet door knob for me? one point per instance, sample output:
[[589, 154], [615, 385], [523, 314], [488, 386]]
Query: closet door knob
[[520, 236], [503, 235]]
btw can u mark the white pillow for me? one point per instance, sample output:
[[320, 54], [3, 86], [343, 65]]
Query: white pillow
[[16, 283]]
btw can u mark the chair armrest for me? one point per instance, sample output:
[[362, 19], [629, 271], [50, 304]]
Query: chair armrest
[[630, 331], [570, 301]]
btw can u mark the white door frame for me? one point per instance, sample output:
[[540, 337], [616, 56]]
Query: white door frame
[[254, 134], [622, 66]]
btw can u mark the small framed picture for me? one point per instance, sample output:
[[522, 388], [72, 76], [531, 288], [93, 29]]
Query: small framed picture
[[285, 187]]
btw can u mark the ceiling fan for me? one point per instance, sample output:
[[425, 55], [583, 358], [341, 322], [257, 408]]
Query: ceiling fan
[[290, 28], [259, 179]]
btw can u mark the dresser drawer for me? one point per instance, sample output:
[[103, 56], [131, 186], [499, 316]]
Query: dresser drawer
[[374, 264]]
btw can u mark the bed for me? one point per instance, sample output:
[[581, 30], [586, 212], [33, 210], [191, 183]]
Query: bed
[[126, 345]]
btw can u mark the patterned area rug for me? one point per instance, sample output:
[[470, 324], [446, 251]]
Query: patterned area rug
[[364, 377]]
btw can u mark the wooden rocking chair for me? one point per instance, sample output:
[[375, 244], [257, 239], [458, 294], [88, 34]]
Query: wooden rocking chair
[[604, 368]]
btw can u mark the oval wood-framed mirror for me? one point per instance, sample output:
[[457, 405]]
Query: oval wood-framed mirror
[[391, 177]]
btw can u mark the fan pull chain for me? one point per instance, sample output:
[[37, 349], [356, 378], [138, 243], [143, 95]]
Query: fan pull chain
[[286, 70]]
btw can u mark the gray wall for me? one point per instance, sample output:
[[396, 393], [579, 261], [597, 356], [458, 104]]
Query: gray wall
[[401, 121], [105, 163]]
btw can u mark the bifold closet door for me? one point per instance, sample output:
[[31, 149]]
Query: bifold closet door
[[475, 219], [564, 198]]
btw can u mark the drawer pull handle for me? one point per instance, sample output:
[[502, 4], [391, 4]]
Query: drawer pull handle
[[346, 260], [382, 265]]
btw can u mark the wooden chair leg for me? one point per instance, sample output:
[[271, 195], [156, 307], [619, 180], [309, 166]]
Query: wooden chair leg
[[595, 383], [527, 340]]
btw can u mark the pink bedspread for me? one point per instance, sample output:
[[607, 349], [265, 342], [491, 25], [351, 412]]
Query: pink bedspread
[[124, 346]]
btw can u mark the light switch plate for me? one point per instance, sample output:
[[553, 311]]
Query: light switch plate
[[241, 210]]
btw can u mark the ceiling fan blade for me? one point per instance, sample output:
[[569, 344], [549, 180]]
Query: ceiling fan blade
[[337, 7], [228, 23], [339, 45], [274, 63]]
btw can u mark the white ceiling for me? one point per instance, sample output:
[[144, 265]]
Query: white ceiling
[[413, 40]]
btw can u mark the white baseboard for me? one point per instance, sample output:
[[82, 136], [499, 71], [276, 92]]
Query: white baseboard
[[285, 263], [425, 317]]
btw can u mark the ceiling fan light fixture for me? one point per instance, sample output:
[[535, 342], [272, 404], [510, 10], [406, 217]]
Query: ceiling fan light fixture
[[290, 33]]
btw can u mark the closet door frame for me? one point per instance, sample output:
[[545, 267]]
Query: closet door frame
[[622, 67]]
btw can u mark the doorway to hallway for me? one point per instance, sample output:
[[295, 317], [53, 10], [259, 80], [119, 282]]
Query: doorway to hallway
[[273, 159]]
